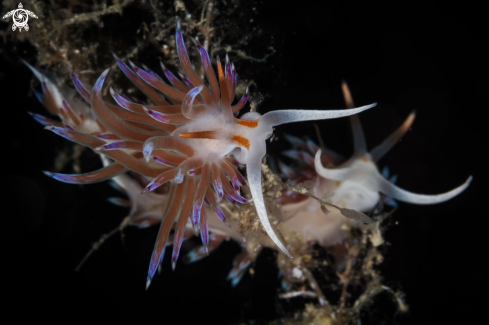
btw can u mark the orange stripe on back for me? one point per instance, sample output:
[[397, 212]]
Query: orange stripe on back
[[241, 141], [248, 124], [199, 135]]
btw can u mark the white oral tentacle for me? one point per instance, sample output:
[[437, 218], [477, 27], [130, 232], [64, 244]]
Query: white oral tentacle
[[398, 193], [253, 170], [337, 174]]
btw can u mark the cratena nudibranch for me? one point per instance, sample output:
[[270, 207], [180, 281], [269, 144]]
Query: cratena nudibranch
[[354, 184], [190, 137]]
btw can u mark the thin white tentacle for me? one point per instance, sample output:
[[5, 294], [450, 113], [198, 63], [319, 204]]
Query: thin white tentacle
[[253, 170], [337, 174], [280, 117], [398, 193]]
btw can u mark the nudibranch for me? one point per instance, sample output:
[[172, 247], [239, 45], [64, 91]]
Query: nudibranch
[[360, 180], [354, 184], [190, 138]]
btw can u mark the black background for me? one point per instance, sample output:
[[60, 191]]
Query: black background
[[404, 56]]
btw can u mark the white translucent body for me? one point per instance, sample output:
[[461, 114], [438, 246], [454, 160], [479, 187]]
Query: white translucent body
[[307, 218]]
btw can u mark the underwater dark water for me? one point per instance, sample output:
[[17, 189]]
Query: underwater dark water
[[403, 56]]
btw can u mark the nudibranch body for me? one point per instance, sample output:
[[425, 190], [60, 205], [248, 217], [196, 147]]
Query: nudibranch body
[[190, 138]]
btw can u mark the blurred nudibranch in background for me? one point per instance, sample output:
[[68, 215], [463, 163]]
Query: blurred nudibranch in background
[[354, 184], [177, 157]]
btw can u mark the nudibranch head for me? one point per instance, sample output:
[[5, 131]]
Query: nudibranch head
[[190, 137], [360, 182], [354, 184]]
